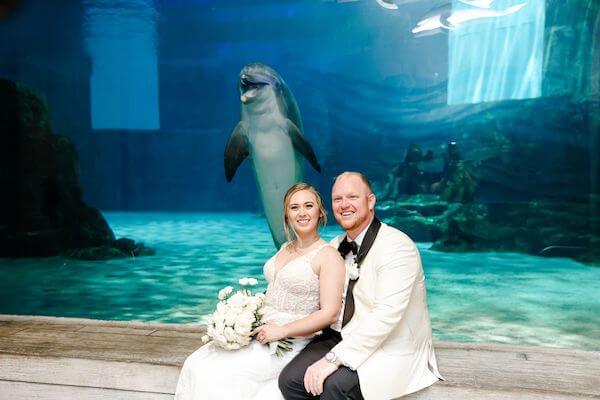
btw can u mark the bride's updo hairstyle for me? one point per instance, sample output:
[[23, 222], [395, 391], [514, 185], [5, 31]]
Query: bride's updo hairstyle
[[289, 232]]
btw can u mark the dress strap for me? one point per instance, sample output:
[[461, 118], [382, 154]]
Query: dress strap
[[314, 252]]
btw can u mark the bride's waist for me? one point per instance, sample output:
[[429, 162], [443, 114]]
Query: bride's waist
[[280, 317], [273, 314]]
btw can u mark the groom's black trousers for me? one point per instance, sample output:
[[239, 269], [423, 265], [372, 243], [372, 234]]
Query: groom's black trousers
[[342, 384]]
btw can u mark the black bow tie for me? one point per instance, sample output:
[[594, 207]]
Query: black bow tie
[[346, 247]]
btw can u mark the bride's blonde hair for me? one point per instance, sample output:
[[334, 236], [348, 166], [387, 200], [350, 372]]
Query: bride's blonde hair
[[289, 232]]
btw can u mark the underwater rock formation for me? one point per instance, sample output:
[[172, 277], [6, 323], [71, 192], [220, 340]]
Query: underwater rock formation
[[408, 177], [538, 228], [42, 212], [422, 217], [458, 183], [529, 227], [455, 183]]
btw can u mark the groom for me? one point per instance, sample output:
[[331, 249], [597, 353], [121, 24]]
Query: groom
[[384, 349]]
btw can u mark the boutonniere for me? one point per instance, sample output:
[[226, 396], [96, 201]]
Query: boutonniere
[[353, 270]]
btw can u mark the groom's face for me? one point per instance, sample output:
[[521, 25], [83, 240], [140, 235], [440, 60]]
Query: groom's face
[[352, 203]]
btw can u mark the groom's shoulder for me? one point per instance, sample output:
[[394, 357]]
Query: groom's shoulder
[[393, 235]]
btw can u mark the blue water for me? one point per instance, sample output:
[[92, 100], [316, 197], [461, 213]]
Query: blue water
[[491, 297]]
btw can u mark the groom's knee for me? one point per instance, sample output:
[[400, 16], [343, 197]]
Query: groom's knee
[[333, 387], [289, 378], [341, 385]]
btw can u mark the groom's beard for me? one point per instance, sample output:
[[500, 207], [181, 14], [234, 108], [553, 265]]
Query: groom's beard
[[356, 224]]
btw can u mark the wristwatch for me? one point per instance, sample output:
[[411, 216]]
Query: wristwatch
[[333, 358]]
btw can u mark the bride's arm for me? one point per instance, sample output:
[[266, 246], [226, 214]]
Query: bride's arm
[[332, 275]]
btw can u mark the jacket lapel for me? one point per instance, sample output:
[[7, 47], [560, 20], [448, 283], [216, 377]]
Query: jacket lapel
[[368, 240]]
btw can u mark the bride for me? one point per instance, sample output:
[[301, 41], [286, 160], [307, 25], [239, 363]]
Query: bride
[[306, 278]]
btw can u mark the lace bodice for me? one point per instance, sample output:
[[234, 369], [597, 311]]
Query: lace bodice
[[294, 292]]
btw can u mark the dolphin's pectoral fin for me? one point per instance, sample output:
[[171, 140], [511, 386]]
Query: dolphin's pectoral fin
[[301, 145], [235, 151]]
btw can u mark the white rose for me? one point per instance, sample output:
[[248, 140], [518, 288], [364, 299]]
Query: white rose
[[261, 296], [255, 303], [252, 282], [243, 281], [245, 340], [232, 346], [229, 334], [353, 271], [248, 316], [242, 327], [252, 306], [226, 291], [218, 317], [237, 300], [205, 339], [220, 340], [231, 317]]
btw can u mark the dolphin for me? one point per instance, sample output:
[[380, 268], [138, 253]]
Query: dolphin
[[387, 4], [394, 4], [478, 3], [270, 132], [444, 18], [434, 21]]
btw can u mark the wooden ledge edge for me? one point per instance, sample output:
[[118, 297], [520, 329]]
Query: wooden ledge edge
[[198, 328], [40, 319]]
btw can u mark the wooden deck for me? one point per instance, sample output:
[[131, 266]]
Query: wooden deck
[[63, 358]]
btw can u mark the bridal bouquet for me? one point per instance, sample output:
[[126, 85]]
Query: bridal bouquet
[[236, 316]]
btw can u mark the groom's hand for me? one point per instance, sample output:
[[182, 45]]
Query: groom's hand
[[316, 374]]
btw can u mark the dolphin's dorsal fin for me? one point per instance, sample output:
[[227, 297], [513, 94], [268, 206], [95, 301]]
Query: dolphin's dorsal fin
[[301, 145], [236, 150]]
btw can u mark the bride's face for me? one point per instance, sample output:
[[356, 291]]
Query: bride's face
[[303, 212]]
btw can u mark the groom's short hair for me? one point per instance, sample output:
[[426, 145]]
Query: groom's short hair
[[359, 175]]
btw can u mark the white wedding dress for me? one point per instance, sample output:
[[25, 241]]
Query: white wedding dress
[[251, 373]]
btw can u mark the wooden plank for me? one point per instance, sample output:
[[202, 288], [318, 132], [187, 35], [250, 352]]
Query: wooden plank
[[441, 391], [101, 351], [89, 373], [44, 320], [117, 347], [509, 347], [30, 391], [478, 366], [189, 335], [117, 330], [6, 325], [463, 364], [9, 330], [555, 370]]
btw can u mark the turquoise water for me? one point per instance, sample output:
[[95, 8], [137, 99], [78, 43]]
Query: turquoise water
[[492, 297]]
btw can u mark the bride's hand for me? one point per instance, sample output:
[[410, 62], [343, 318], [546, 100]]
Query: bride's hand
[[269, 333]]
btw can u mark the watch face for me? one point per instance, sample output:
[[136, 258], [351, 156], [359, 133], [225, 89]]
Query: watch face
[[330, 356]]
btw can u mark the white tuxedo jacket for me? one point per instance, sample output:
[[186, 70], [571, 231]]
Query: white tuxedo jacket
[[388, 340]]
